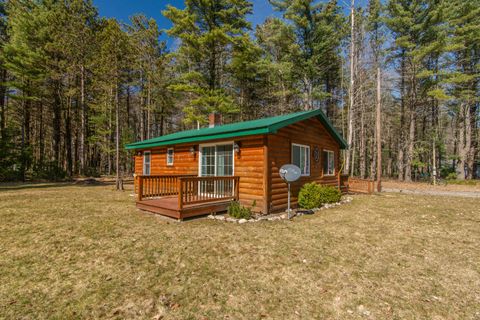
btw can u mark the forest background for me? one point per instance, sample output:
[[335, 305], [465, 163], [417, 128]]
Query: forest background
[[399, 76]]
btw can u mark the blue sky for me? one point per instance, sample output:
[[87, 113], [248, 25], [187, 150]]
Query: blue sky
[[122, 9]]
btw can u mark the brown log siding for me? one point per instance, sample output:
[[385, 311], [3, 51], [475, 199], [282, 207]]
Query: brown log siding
[[308, 132]]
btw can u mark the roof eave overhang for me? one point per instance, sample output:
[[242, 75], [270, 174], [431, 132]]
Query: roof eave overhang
[[217, 136]]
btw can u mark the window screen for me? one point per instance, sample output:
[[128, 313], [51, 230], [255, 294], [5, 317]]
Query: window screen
[[170, 156], [146, 163], [301, 158], [328, 162]]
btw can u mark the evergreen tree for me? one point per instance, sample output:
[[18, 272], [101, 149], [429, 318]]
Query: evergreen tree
[[149, 57], [207, 32], [319, 28], [113, 57], [280, 52], [461, 82]]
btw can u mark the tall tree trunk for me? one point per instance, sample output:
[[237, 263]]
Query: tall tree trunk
[[83, 122], [362, 148], [68, 138], [471, 123], [110, 133], [149, 111], [401, 140], [411, 145], [142, 109], [378, 129], [352, 83], [3, 113], [413, 117], [118, 180], [57, 120], [41, 138], [25, 137], [464, 142], [162, 121]]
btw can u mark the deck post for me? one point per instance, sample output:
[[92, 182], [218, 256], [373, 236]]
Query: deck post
[[140, 188], [180, 193], [237, 188]]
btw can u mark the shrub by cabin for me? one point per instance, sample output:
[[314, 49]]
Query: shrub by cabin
[[200, 171]]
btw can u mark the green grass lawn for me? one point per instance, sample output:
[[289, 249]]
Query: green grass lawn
[[85, 252]]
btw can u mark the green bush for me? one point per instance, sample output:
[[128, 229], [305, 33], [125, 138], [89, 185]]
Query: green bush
[[313, 195], [329, 194], [237, 211], [308, 197]]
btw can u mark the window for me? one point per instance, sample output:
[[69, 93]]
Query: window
[[301, 158], [146, 162], [170, 157], [207, 167], [328, 163], [216, 160], [224, 160]]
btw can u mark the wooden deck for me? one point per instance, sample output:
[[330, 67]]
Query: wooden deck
[[168, 206], [183, 197]]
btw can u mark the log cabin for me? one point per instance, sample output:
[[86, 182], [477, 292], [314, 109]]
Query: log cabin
[[197, 172]]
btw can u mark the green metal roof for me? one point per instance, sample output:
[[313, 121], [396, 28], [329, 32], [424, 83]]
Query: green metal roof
[[239, 129]]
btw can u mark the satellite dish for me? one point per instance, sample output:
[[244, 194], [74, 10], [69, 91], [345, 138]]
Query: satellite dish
[[290, 173]]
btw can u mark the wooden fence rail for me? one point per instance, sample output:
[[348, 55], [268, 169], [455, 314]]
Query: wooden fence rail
[[360, 185], [195, 190], [157, 185]]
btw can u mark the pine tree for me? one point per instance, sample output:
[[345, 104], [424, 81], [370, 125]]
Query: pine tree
[[207, 31], [462, 80], [319, 29], [149, 55], [114, 56], [280, 52], [405, 20], [377, 38], [249, 77]]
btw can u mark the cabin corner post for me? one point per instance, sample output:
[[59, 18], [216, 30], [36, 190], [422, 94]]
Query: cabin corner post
[[266, 177], [140, 188]]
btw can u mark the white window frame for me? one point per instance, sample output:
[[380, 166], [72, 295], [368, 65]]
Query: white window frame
[[215, 145], [149, 163], [170, 163], [307, 174], [328, 162]]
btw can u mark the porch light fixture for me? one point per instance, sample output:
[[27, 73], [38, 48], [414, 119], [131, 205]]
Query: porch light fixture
[[192, 150], [236, 147]]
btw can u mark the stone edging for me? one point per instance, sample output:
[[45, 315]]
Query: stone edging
[[281, 216]]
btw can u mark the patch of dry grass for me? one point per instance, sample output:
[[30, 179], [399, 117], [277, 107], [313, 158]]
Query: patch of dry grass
[[86, 252], [460, 186]]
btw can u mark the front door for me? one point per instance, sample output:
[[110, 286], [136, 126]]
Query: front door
[[215, 161]]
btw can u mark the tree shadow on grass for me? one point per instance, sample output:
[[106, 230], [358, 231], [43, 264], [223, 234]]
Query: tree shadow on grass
[[12, 186]]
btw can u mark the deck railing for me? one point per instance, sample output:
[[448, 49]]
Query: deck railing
[[157, 185], [356, 185], [361, 185], [195, 190], [190, 189]]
